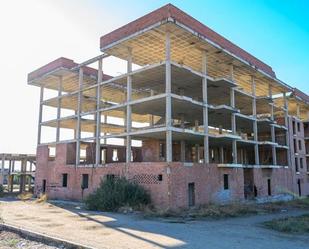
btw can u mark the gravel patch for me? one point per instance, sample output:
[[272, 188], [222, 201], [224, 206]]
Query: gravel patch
[[12, 240]]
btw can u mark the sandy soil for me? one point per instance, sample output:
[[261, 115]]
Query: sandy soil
[[110, 230]]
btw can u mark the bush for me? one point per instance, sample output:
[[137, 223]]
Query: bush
[[1, 190], [115, 193]]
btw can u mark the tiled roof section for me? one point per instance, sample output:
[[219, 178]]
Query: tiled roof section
[[62, 63], [169, 11], [300, 94]]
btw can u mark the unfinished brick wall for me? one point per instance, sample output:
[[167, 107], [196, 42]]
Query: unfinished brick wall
[[167, 183]]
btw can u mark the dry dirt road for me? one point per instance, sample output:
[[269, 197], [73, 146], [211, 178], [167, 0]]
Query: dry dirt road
[[110, 230]]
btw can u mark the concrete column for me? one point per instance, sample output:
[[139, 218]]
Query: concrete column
[[151, 118], [105, 122], [79, 105], [40, 114], [298, 110], [255, 129], [286, 119], [59, 108], [129, 111], [168, 89], [11, 183], [233, 124], [197, 153], [273, 147], [196, 125], [22, 186], [205, 107], [232, 72], [272, 128], [270, 95], [98, 114], [221, 155], [10, 167], [182, 151], [2, 170]]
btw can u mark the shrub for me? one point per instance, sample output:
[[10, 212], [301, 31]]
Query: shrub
[[114, 193], [1, 190]]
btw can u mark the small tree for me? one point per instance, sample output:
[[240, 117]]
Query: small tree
[[114, 193]]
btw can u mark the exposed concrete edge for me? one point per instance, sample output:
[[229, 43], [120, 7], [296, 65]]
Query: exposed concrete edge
[[43, 238]]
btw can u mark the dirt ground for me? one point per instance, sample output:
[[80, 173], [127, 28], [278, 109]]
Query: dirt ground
[[11, 240], [110, 230]]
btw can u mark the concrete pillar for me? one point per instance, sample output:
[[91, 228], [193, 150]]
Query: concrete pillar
[[22, 186], [255, 129], [221, 155], [196, 125], [40, 114], [10, 166], [270, 95], [298, 110], [272, 128], [104, 134], [129, 111], [197, 153], [273, 147], [79, 105], [59, 108], [232, 72], [182, 151], [2, 170], [233, 124], [168, 89], [286, 119], [98, 114], [205, 107]]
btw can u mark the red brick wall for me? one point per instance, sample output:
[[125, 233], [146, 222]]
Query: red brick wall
[[172, 190]]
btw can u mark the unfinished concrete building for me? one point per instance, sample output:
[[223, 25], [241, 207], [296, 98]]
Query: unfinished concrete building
[[200, 120], [17, 172]]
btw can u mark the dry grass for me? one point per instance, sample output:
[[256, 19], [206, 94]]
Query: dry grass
[[25, 196], [42, 198], [298, 224], [216, 211]]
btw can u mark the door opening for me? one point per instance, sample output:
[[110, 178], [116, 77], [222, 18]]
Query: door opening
[[191, 194], [299, 187], [44, 186]]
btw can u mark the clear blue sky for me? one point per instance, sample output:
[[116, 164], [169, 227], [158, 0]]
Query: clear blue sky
[[275, 31]]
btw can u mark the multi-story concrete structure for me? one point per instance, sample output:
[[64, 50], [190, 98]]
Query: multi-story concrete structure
[[214, 122]]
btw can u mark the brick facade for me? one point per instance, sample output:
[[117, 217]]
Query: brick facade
[[167, 183]]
